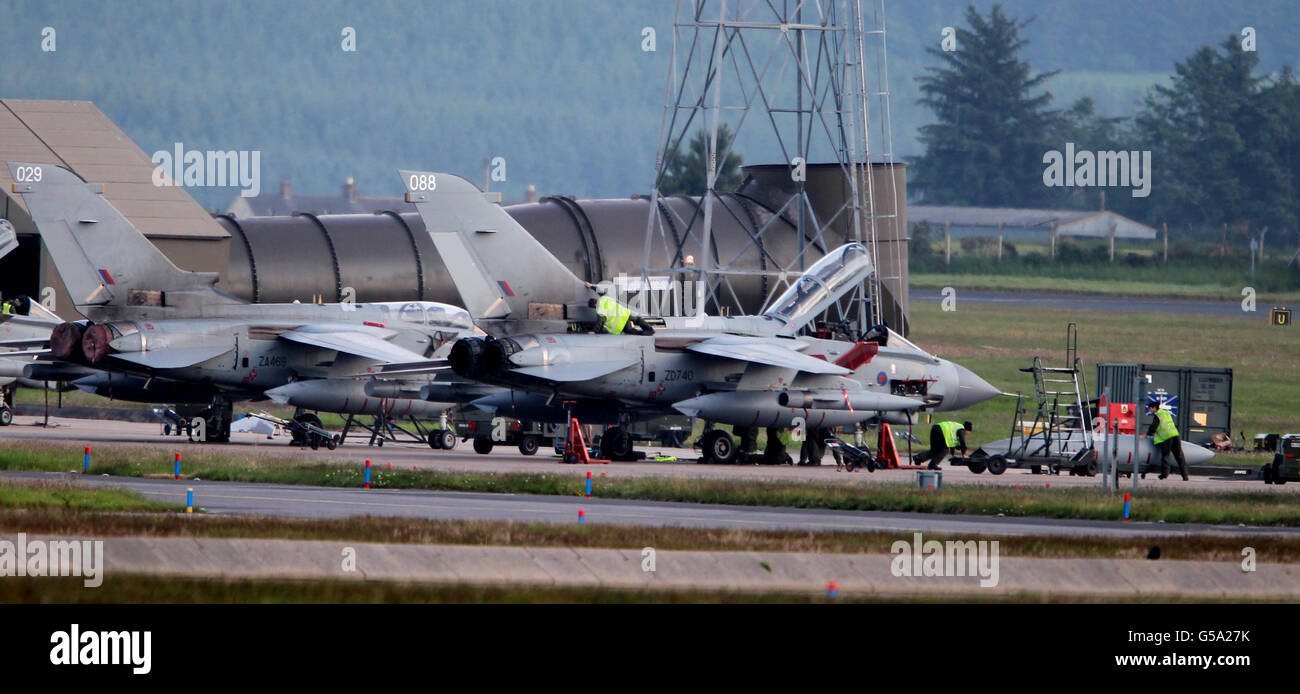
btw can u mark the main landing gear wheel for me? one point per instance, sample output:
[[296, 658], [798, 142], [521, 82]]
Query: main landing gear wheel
[[718, 447], [528, 445], [482, 445], [616, 444]]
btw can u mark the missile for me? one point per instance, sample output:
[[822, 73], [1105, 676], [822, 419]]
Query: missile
[[140, 389], [831, 399], [347, 396], [762, 408], [1146, 451]]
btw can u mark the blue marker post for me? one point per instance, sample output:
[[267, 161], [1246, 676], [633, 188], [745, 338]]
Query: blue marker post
[[367, 474], [588, 485], [177, 472], [1125, 507], [189, 500], [582, 516], [85, 462], [833, 589]]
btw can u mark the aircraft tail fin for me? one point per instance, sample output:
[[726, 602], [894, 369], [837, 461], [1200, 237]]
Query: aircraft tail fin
[[103, 259], [498, 267]]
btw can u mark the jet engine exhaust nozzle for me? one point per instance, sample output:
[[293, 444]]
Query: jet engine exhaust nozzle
[[65, 342], [467, 357]]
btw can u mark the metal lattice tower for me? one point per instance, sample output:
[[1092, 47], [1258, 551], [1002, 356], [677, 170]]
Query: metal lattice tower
[[790, 78]]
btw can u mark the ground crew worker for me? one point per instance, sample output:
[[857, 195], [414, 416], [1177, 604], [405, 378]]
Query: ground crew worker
[[7, 307], [615, 318], [1164, 434], [945, 437]]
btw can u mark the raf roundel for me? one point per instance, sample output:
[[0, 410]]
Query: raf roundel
[[881, 378]]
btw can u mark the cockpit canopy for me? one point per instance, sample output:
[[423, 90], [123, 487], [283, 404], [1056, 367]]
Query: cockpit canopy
[[822, 285]]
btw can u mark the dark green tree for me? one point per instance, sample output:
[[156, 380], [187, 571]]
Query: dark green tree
[[1225, 144], [686, 173], [992, 121]]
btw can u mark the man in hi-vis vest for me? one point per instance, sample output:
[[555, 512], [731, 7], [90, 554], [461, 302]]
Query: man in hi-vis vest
[[1164, 435], [945, 437]]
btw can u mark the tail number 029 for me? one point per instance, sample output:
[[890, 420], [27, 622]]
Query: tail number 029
[[422, 182], [30, 174]]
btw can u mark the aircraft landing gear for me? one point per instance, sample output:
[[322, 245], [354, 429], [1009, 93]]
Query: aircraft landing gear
[[718, 447], [616, 444], [6, 405]]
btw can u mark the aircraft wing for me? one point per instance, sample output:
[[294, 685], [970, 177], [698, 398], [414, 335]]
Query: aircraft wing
[[27, 342], [353, 342], [576, 371], [172, 358], [765, 352]]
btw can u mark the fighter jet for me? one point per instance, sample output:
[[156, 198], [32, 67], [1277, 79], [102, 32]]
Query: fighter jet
[[160, 334], [748, 371]]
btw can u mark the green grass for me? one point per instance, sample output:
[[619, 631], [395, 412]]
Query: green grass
[[1253, 505], [1270, 549], [996, 342], [119, 588], [69, 496]]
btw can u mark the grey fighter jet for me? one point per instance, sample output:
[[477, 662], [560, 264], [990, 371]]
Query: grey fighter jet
[[748, 371], [157, 333]]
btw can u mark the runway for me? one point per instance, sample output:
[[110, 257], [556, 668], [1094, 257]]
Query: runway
[[292, 501], [101, 433], [1084, 302]]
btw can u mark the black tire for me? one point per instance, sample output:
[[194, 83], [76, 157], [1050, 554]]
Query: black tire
[[482, 445], [529, 444], [616, 444], [447, 439], [435, 440], [315, 443], [996, 465], [6, 416], [977, 466], [301, 437], [332, 442], [719, 447]]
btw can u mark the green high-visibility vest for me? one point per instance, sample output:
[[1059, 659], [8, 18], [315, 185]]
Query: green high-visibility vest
[[1166, 430], [949, 430], [6, 308], [615, 314]]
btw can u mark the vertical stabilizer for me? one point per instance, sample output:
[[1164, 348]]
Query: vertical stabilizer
[[103, 259], [498, 267]]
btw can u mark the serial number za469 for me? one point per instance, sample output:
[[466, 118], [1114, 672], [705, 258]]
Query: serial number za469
[[278, 360]]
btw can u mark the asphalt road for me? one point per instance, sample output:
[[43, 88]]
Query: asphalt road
[[239, 498], [1113, 304]]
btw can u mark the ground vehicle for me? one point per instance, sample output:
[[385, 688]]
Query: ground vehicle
[[488, 431], [1286, 462]]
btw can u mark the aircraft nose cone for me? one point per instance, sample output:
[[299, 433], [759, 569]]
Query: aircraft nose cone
[[283, 394], [1196, 455], [971, 389]]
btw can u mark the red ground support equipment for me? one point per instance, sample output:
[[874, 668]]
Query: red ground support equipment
[[575, 448], [887, 455]]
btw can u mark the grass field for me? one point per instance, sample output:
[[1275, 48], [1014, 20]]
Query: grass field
[[72, 497], [995, 342]]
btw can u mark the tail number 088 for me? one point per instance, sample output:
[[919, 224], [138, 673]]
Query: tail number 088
[[422, 182]]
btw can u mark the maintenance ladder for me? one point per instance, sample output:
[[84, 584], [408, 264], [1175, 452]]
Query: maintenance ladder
[[1061, 433]]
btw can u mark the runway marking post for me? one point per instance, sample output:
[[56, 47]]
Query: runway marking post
[[589, 485], [367, 474], [189, 500], [85, 462], [1126, 506], [176, 469], [833, 589], [582, 516]]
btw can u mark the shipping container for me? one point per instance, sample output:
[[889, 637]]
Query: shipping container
[[1200, 398]]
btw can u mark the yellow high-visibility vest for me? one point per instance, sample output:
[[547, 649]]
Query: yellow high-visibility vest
[[1166, 430], [616, 315], [949, 433]]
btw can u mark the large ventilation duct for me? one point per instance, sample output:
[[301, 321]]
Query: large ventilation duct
[[388, 256]]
